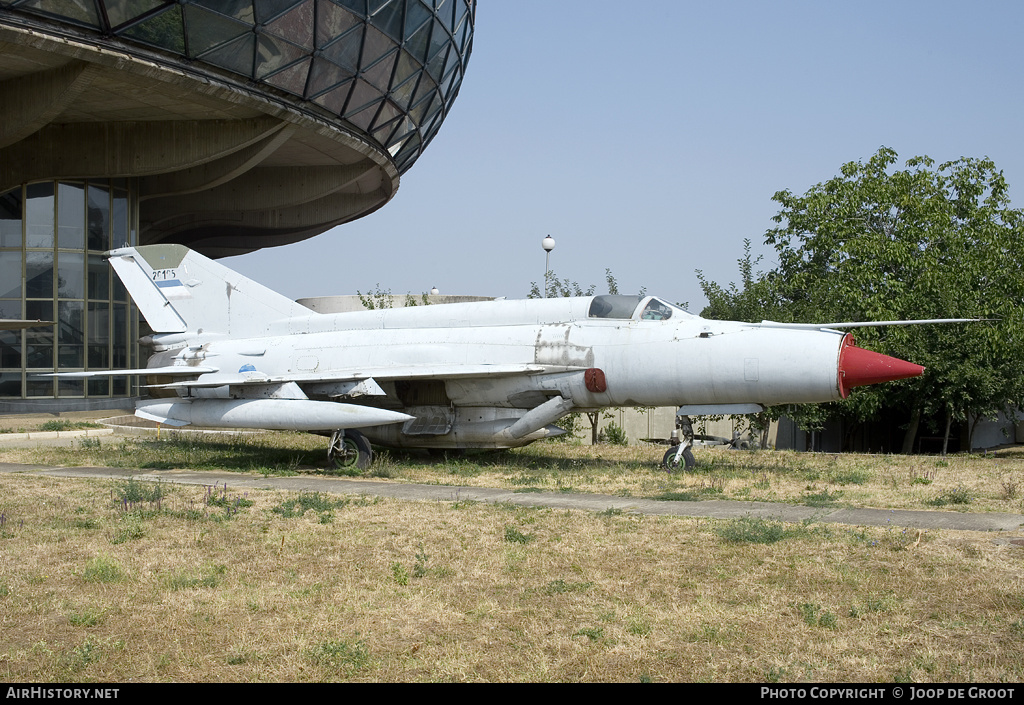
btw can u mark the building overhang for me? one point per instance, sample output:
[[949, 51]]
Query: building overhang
[[221, 167]]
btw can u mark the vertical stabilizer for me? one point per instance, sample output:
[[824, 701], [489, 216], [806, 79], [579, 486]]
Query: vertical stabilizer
[[178, 290]]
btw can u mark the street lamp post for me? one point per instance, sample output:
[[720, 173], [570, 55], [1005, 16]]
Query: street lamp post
[[548, 243]]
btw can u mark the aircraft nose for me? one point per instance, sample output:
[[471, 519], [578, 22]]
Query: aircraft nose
[[859, 367]]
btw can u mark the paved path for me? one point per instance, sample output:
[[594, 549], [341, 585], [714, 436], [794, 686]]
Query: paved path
[[719, 509]]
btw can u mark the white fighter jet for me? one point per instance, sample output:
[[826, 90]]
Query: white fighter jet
[[229, 352]]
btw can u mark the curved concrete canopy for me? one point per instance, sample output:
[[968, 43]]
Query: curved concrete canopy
[[220, 168]]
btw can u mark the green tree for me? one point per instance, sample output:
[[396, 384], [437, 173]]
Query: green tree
[[758, 299], [879, 243]]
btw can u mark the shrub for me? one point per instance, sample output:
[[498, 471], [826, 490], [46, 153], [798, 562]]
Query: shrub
[[613, 434]]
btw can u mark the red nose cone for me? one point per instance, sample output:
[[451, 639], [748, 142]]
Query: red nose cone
[[858, 367]]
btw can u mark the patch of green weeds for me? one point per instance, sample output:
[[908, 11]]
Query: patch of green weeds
[[752, 530], [86, 617], [130, 529], [958, 495], [131, 492], [81, 656], [419, 568], [851, 476], [463, 468], [713, 490], [219, 498], [514, 535], [824, 498], [66, 425], [816, 616], [592, 633], [561, 587], [871, 605], [236, 658], [344, 656], [399, 573], [321, 503], [526, 480], [85, 523], [103, 570], [893, 538], [213, 577], [639, 627], [1017, 628]]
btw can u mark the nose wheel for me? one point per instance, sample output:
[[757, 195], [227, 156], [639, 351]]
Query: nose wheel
[[680, 455], [349, 450]]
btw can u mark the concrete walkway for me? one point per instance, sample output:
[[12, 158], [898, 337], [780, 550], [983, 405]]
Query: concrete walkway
[[719, 509]]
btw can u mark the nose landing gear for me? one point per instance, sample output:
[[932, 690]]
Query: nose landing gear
[[680, 454]]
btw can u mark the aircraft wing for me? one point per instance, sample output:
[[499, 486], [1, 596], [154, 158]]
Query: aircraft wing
[[866, 324], [376, 373]]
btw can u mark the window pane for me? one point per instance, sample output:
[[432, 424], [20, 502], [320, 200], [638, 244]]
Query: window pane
[[164, 30], [99, 217], [119, 219], [120, 338], [39, 275], [121, 11], [71, 216], [71, 387], [78, 12], [36, 387], [10, 308], [10, 348], [99, 335], [10, 384], [71, 275], [99, 277], [39, 215], [39, 341], [10, 218], [70, 334], [10, 274], [99, 387]]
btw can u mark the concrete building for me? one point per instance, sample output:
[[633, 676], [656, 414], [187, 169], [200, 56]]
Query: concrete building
[[223, 125]]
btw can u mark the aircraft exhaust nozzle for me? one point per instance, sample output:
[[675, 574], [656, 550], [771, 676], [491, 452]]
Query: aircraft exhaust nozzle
[[859, 367]]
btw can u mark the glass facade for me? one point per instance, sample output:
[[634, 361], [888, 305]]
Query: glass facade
[[52, 238], [388, 70]]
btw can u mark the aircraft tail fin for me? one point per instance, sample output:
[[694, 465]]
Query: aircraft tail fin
[[178, 291]]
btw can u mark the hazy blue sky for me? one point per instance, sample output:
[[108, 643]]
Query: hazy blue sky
[[649, 138]]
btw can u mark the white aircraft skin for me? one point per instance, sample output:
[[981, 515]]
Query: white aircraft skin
[[232, 353]]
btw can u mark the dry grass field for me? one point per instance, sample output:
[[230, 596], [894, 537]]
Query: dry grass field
[[119, 581]]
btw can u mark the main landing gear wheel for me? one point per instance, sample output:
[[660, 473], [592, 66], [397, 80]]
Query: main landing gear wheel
[[349, 450], [674, 459]]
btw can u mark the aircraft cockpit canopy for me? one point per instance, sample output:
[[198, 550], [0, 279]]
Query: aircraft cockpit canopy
[[614, 306], [626, 307]]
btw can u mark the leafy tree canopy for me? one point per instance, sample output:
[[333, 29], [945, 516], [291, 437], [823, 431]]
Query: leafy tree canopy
[[881, 243]]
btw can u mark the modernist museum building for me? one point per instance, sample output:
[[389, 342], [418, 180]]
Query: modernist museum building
[[223, 125]]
